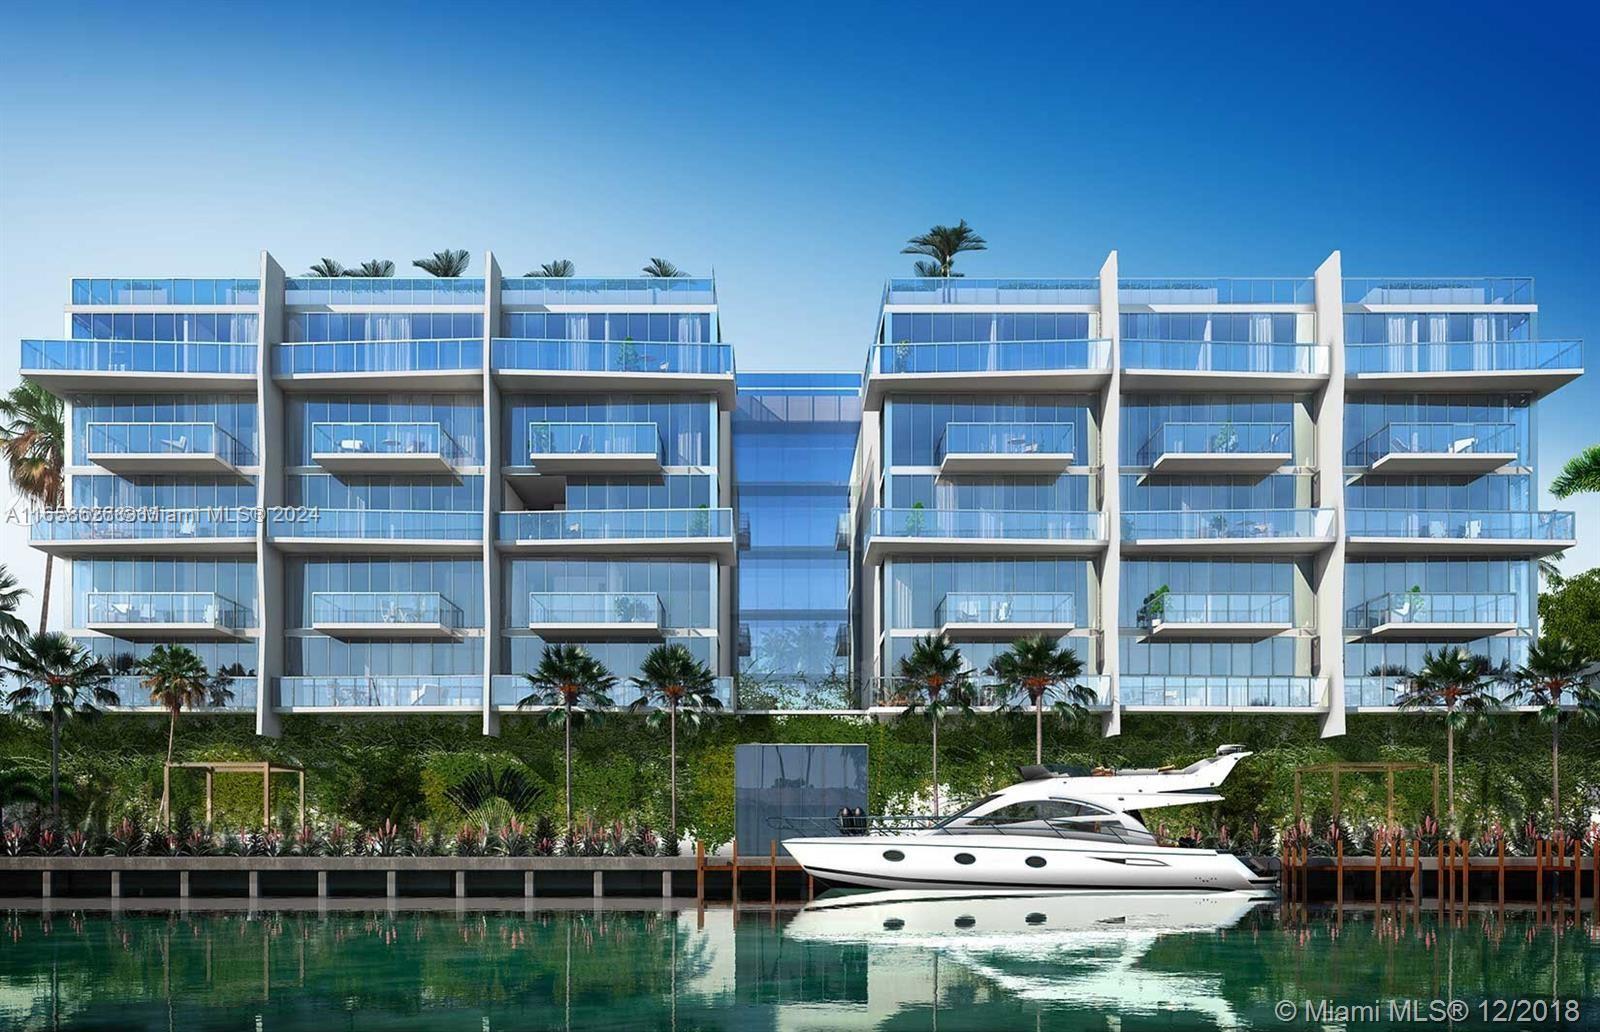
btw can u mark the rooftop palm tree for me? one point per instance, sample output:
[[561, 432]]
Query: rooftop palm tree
[[561, 268], [326, 267], [373, 268], [443, 264], [53, 671], [33, 436], [11, 626], [1039, 667], [177, 680], [942, 244], [672, 678], [1581, 474], [1553, 678], [935, 675], [660, 268], [1456, 682], [571, 683]]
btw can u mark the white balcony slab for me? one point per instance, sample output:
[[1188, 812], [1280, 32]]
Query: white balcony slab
[[1204, 380], [997, 630], [181, 464], [880, 547], [175, 545], [722, 548], [1527, 547], [1445, 463], [384, 630], [61, 382], [430, 380], [1220, 462], [592, 462], [545, 381], [184, 630], [1215, 630], [1440, 630], [1054, 381], [559, 630], [1023, 463], [377, 545], [354, 461], [1533, 381], [1225, 545]]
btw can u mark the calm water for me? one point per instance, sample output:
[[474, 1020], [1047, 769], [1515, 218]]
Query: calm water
[[1046, 963]]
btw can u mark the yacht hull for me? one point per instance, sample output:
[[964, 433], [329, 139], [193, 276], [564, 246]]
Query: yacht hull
[[1003, 862]]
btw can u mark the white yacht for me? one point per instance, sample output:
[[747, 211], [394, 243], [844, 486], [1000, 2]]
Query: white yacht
[[1050, 832]]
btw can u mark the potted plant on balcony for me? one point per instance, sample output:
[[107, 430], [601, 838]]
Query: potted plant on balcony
[[628, 357], [1226, 439], [902, 357], [1154, 605], [700, 523], [916, 519], [541, 438]]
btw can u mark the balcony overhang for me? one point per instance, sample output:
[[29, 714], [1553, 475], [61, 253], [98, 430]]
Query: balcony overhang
[[1440, 630], [1538, 382], [548, 381], [355, 461], [991, 630], [1024, 463], [62, 382], [176, 630], [1447, 463], [182, 464], [1056, 381], [1205, 380], [1524, 547], [1225, 546], [174, 545], [587, 462], [432, 380], [1181, 708], [645, 630], [377, 546], [384, 630], [1220, 462], [880, 548], [723, 549], [1215, 630]]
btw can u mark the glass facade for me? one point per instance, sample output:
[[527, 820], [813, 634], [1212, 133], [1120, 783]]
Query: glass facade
[[412, 543]]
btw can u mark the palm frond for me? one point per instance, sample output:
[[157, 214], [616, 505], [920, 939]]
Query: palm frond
[[447, 264], [372, 268], [561, 268], [1580, 474], [660, 268], [326, 267], [942, 244]]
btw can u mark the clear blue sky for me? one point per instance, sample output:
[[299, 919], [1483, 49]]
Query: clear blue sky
[[793, 149]]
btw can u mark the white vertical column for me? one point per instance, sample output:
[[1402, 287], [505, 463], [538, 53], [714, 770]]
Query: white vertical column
[[270, 436], [1328, 414], [1111, 498], [493, 461], [727, 660]]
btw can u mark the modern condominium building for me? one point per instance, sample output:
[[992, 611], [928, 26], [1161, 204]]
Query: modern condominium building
[[387, 495]]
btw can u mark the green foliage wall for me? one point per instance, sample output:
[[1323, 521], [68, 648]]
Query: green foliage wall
[[366, 770]]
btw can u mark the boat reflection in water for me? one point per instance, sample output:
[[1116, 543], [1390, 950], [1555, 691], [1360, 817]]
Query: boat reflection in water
[[1086, 948]]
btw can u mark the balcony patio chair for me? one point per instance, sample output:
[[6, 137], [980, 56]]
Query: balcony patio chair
[[1463, 445], [176, 444], [352, 444], [1003, 612], [1472, 529]]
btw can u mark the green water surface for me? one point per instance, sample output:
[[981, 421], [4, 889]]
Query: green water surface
[[586, 968]]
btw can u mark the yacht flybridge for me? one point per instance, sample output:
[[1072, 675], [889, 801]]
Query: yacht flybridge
[[1050, 832]]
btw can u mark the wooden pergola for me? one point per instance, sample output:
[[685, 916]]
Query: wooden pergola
[[265, 768], [1388, 770]]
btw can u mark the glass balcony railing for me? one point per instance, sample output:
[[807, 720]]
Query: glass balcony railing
[[1035, 608], [109, 524], [134, 609], [1228, 524], [379, 525], [1005, 356], [1225, 438], [117, 439], [423, 608], [550, 439], [1481, 356], [1222, 690], [985, 693], [1428, 607], [635, 290], [841, 533], [1005, 439], [1460, 524], [128, 292], [357, 692], [1283, 290], [1215, 356], [507, 690], [381, 291], [972, 524], [963, 290], [132, 694], [1225, 607], [1412, 290], [1435, 439], [1375, 691], [614, 356], [139, 356], [355, 439], [616, 524], [460, 354], [640, 609]]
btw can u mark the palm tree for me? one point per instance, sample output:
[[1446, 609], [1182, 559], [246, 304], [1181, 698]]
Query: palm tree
[[660, 268], [1458, 683], [373, 268], [326, 267], [176, 679], [672, 678], [1581, 474], [936, 676], [33, 435], [570, 682], [1040, 667], [11, 626], [561, 268], [1553, 677], [52, 670], [942, 244], [443, 264]]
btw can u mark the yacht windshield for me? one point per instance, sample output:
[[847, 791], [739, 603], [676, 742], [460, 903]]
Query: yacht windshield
[[965, 810]]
